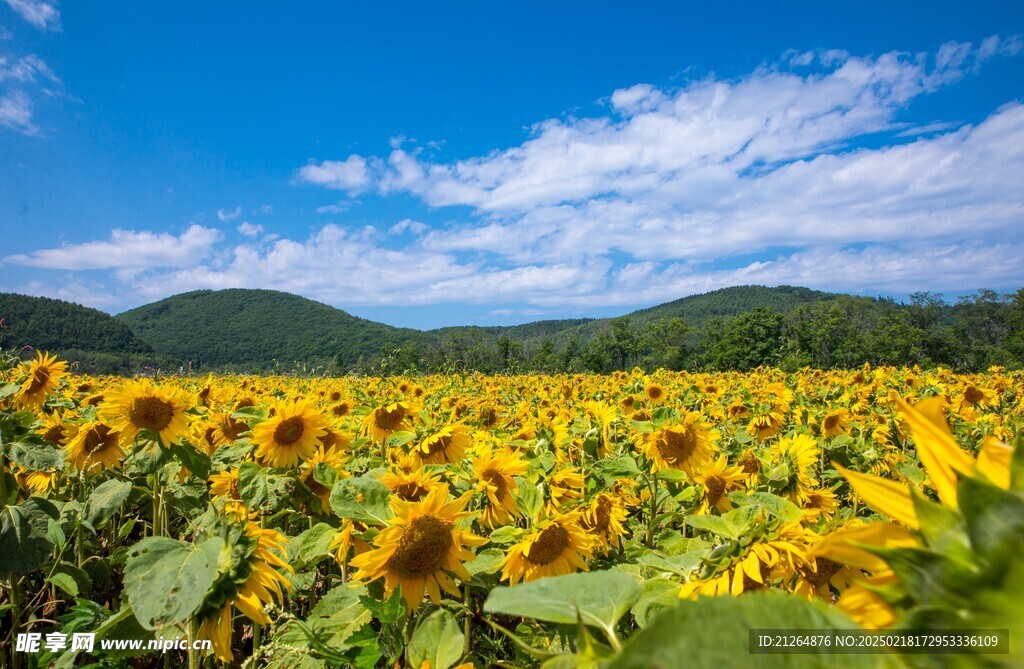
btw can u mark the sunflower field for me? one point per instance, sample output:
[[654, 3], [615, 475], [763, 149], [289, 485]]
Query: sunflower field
[[623, 520]]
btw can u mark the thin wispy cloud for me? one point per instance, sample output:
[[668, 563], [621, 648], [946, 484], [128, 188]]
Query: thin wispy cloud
[[43, 15]]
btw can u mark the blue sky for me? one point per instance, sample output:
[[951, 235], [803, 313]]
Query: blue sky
[[470, 163]]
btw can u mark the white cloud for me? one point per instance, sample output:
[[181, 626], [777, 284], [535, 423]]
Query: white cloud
[[43, 15], [126, 249], [351, 174], [408, 225], [249, 230], [18, 77], [16, 112], [338, 208], [225, 215], [264, 209]]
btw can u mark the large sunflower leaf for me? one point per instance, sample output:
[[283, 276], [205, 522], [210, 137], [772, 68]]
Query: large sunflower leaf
[[438, 640], [600, 598], [364, 499], [714, 632], [167, 580]]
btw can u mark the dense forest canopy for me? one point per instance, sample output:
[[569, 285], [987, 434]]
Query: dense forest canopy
[[734, 328]]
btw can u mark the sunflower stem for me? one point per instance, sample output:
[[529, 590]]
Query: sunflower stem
[[467, 621], [653, 511]]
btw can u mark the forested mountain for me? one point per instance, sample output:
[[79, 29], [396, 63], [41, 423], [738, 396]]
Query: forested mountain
[[733, 328], [261, 330]]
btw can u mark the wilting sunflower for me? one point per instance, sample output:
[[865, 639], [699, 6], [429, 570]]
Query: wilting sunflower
[[421, 545], [565, 486], [604, 519], [37, 483], [346, 540], [718, 480], [43, 373], [686, 445], [95, 444], [555, 547], [445, 445], [384, 421], [290, 435], [138, 405], [258, 554], [494, 470]]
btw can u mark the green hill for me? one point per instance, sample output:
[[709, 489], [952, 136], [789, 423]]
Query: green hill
[[258, 330], [59, 326]]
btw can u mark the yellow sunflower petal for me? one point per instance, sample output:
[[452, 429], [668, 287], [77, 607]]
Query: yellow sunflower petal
[[884, 496]]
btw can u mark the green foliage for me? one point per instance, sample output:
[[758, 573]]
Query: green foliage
[[55, 325], [437, 640], [24, 535], [166, 580]]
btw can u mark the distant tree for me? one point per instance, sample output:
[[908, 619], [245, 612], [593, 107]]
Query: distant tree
[[747, 341]]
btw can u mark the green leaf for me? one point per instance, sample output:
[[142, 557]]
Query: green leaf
[[65, 582], [658, 593], [9, 390], [167, 580], [995, 519], [617, 467], [36, 456], [1017, 464], [681, 565], [600, 597], [313, 545], [780, 507], [24, 535], [713, 632], [340, 614], [105, 500], [437, 640], [260, 488], [529, 499], [364, 499], [507, 534], [193, 459]]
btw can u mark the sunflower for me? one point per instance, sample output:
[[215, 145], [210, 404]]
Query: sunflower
[[445, 445], [290, 435], [138, 405], [225, 484], [820, 504], [384, 421], [331, 457], [419, 547], [655, 394], [37, 483], [555, 547], [686, 445], [411, 484], [718, 480], [95, 444], [43, 373], [494, 471], [229, 429], [257, 555], [55, 430], [565, 486], [346, 540], [795, 458], [835, 423], [755, 565], [604, 519]]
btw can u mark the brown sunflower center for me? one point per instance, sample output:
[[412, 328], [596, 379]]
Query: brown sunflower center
[[654, 392], [549, 545], [438, 444], [335, 396], [231, 428], [98, 440], [973, 395], [245, 402], [411, 491], [494, 478], [488, 417], [150, 413], [603, 513], [423, 548], [750, 464], [340, 410], [389, 420], [55, 435], [39, 380], [210, 435], [675, 446], [831, 421], [289, 430], [826, 569], [714, 488]]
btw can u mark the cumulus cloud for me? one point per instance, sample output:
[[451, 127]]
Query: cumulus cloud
[[761, 179], [338, 208], [225, 215], [250, 230], [351, 174], [126, 249], [43, 15]]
